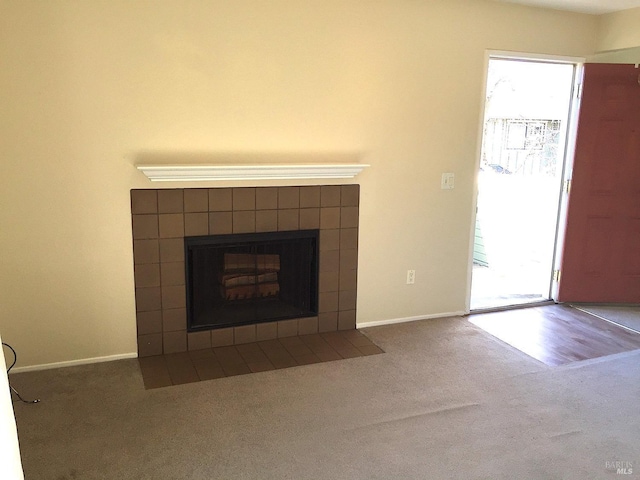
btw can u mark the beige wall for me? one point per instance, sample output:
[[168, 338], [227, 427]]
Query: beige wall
[[619, 30], [89, 88], [626, 55]]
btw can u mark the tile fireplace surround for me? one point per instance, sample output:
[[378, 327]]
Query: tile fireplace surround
[[161, 218]]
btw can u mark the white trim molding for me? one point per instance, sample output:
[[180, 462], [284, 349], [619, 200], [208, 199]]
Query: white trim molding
[[169, 173], [393, 321], [72, 363]]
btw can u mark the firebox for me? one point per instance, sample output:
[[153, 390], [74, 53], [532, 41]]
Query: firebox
[[243, 279]]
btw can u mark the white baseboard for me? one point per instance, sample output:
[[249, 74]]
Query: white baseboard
[[392, 321], [71, 363]]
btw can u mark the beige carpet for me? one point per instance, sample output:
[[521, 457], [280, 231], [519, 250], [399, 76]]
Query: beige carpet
[[446, 400]]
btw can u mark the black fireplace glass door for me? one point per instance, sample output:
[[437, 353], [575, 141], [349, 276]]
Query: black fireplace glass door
[[243, 279]]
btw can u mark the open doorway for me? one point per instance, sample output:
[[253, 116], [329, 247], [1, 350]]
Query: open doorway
[[526, 120]]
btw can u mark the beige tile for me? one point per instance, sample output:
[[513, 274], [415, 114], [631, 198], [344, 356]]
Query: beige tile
[[196, 200], [144, 226], [171, 225], [307, 326], [349, 259], [196, 224], [174, 342], [309, 218], [144, 201], [148, 299], [329, 282], [244, 222], [173, 297], [348, 279], [347, 300], [328, 322], [350, 196], [244, 199], [349, 217], [149, 345], [266, 221], [330, 196], [172, 250], [328, 302], [330, 261], [266, 331], [220, 223], [348, 238], [172, 273], [287, 328], [147, 275], [174, 319], [329, 218], [170, 201], [244, 334], [309, 197], [220, 199], [347, 320], [267, 198], [288, 197], [198, 340], [329, 240], [288, 220], [149, 322], [221, 337], [146, 251]]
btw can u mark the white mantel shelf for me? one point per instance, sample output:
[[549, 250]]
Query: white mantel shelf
[[182, 173]]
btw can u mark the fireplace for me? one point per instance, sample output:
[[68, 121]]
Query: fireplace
[[245, 279], [163, 218]]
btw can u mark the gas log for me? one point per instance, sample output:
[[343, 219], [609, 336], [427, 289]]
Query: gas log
[[246, 276]]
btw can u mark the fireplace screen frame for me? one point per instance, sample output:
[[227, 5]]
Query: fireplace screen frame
[[244, 241]]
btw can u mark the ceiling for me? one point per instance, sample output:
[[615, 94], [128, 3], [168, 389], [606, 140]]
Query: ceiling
[[596, 7]]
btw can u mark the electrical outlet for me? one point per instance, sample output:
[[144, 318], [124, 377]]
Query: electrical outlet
[[411, 277]]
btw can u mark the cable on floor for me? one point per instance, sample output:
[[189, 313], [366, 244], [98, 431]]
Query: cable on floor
[[13, 390]]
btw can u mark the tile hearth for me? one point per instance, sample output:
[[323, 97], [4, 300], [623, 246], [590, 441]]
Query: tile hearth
[[211, 363]]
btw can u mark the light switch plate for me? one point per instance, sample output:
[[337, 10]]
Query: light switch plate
[[447, 181]]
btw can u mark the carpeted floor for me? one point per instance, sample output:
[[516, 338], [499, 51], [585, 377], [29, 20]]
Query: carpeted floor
[[626, 315], [446, 400]]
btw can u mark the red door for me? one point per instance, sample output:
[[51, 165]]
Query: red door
[[601, 253]]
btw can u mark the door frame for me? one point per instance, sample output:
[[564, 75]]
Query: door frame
[[578, 62]]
